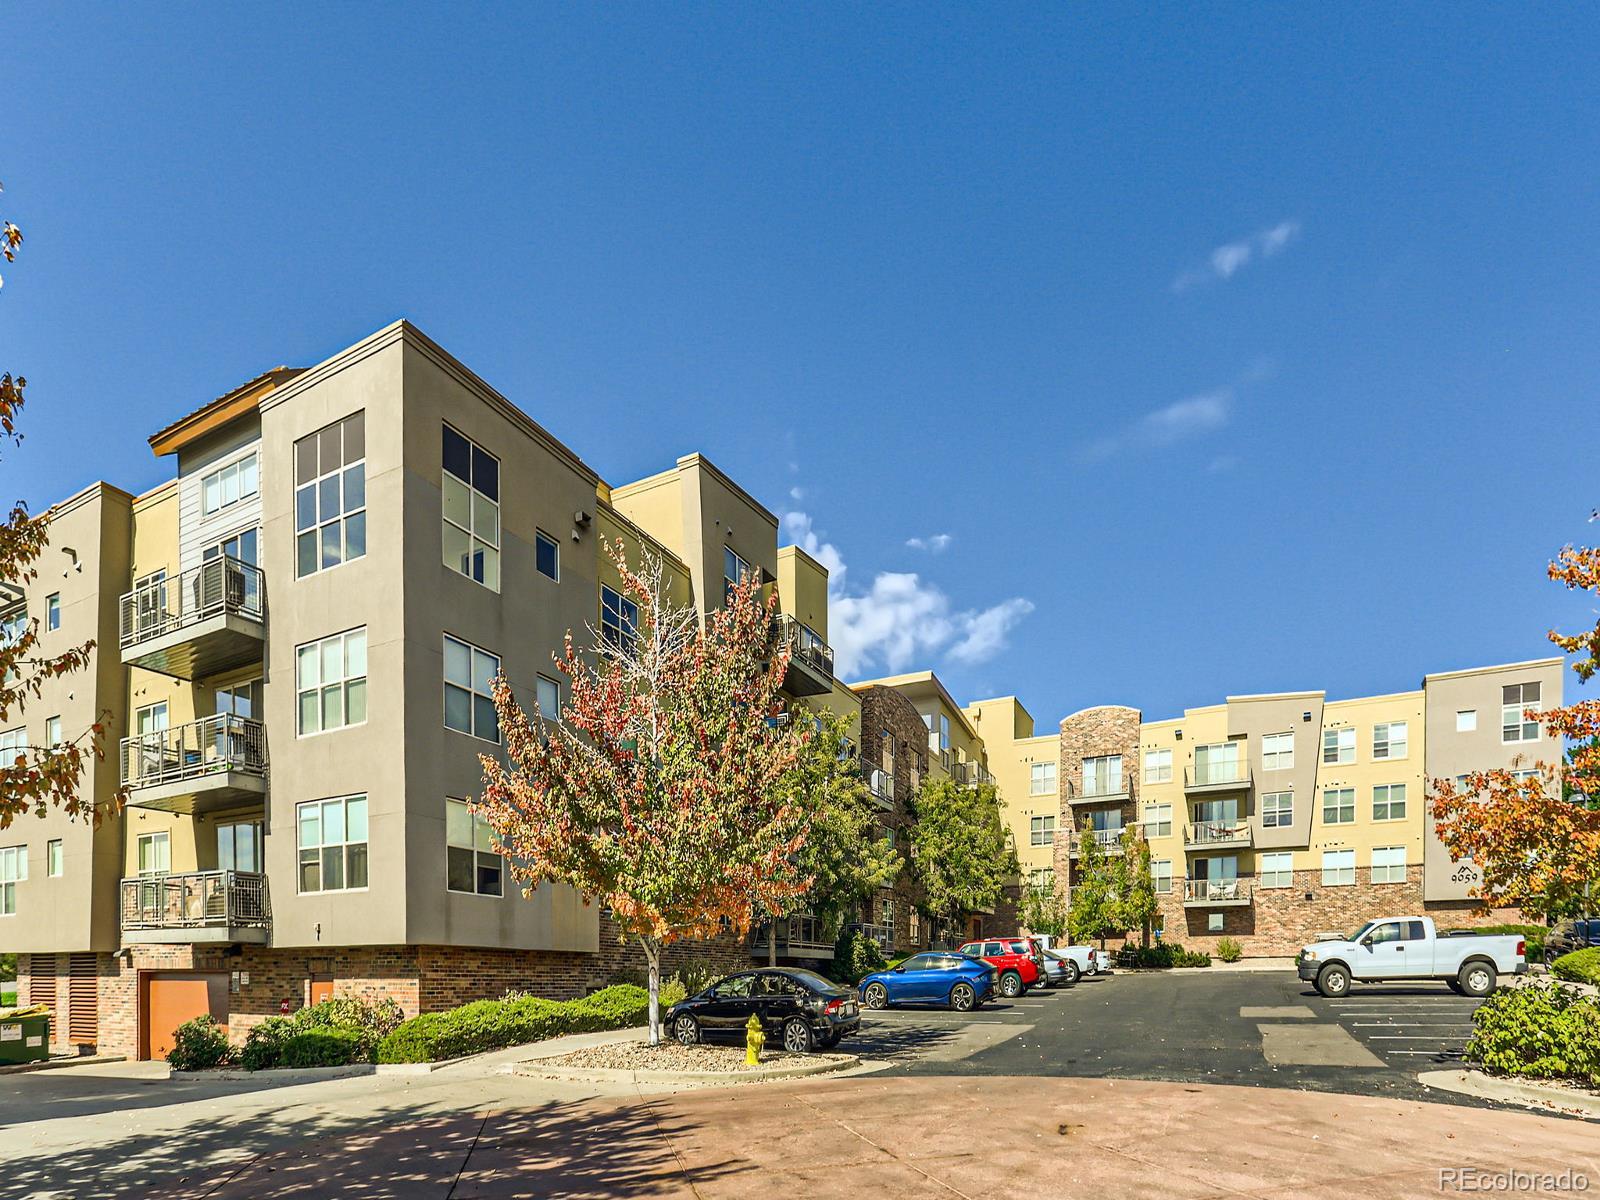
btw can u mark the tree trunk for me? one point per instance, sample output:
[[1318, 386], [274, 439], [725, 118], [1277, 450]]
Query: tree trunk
[[772, 941], [652, 957]]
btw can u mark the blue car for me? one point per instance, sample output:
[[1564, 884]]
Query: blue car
[[936, 977]]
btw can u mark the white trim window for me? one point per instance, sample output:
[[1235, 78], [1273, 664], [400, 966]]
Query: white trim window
[[54, 858], [1158, 766], [331, 682], [1161, 876], [330, 495], [332, 841], [52, 611], [548, 694], [470, 485], [468, 703], [1338, 868], [619, 620], [1277, 751], [154, 854], [1041, 831], [1467, 720], [13, 869], [547, 556], [52, 732], [735, 570], [1158, 820], [1338, 805], [1388, 864], [13, 744], [1514, 700], [1277, 810], [228, 485], [472, 864], [1389, 739], [1042, 779], [1041, 879], [1275, 869], [1102, 775], [1339, 745], [1389, 802]]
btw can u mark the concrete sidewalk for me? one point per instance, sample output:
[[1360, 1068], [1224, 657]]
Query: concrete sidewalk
[[963, 1137]]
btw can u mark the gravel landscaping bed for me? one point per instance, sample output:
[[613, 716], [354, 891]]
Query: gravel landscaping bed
[[670, 1056]]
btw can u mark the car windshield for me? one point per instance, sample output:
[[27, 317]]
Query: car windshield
[[1360, 933]]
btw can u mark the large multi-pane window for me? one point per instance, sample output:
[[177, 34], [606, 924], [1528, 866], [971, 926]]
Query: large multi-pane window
[[1277, 809], [333, 844], [1338, 868], [1388, 802], [1042, 880], [330, 495], [1339, 745], [1161, 875], [1158, 820], [1042, 779], [1158, 766], [619, 620], [471, 486], [1102, 775], [331, 682], [1389, 739], [1276, 870], [230, 484], [468, 701], [1277, 751], [12, 743], [1389, 864], [1514, 700], [1338, 806], [13, 868], [1041, 830], [471, 864]]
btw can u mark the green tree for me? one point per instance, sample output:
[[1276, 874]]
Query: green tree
[[1094, 908], [1137, 907], [1044, 910], [961, 855]]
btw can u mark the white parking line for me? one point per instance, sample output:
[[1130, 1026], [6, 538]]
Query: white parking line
[[1433, 1052], [1412, 1024], [1403, 1037]]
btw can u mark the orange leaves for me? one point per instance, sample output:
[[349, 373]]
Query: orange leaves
[[1579, 568]]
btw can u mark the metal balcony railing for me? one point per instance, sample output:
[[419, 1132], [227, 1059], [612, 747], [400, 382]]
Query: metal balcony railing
[[881, 784], [797, 933], [805, 645], [1217, 774], [1095, 786], [219, 585], [1216, 891], [1218, 833], [196, 900], [210, 746]]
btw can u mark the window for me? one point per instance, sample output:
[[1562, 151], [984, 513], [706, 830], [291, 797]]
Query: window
[[1339, 745], [734, 571], [1389, 739], [1277, 809], [1158, 820], [331, 682], [471, 864], [52, 610], [1041, 830], [242, 546], [230, 484], [1277, 751], [155, 853], [471, 487], [886, 913], [1338, 868], [333, 844], [13, 625], [944, 732], [1216, 922], [1338, 806], [1102, 776], [330, 495], [13, 868], [240, 700], [546, 555], [52, 731], [1467, 720], [1389, 864], [1276, 870], [1042, 880], [239, 846], [151, 718], [468, 706], [619, 620], [1161, 875], [1388, 802], [13, 742], [549, 698], [1158, 766], [1516, 698], [1042, 779], [54, 858]]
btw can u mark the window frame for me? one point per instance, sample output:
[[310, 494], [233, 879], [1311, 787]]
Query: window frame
[[1042, 830], [1389, 802], [1156, 876], [1161, 770], [1282, 813], [346, 844], [538, 697], [1389, 867], [55, 858], [471, 688], [344, 682], [1389, 742], [236, 469], [474, 822], [1157, 826], [1339, 806], [541, 538], [319, 522], [626, 637], [1339, 734], [1521, 725], [13, 870], [157, 837], [474, 494], [1471, 725], [52, 612], [1331, 874], [1044, 772], [1277, 759], [1274, 876]]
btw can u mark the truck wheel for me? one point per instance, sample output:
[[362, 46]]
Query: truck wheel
[[1072, 973], [1477, 978], [1333, 980]]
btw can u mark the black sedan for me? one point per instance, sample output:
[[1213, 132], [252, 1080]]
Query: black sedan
[[799, 1010]]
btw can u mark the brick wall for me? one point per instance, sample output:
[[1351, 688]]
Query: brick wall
[[1090, 734], [890, 721]]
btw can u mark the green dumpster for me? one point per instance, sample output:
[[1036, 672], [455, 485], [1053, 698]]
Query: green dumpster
[[24, 1034]]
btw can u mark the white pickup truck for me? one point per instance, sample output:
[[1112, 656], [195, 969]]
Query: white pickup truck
[[1396, 948]]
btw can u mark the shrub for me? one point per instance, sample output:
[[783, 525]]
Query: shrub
[[1540, 1029], [856, 956], [266, 1045], [326, 1046], [1229, 949], [263, 1045], [496, 1024], [1191, 958], [198, 1045], [1581, 966]]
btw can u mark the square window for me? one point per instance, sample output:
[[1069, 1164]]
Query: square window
[[1277, 809], [468, 703], [1338, 806], [1389, 864], [332, 837], [1276, 869], [1277, 751], [1338, 868], [1158, 766], [1467, 720], [1042, 779], [1339, 745], [331, 682], [1389, 802], [1158, 820], [1214, 922], [1389, 739], [547, 556]]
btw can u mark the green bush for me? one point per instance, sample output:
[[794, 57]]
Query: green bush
[[1161, 956], [198, 1045], [1229, 949], [263, 1045], [1532, 934], [1581, 966], [496, 1024], [856, 956], [326, 1046], [695, 976], [1539, 1029], [266, 1044], [1190, 958]]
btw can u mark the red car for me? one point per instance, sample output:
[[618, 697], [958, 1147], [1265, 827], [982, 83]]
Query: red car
[[1015, 959]]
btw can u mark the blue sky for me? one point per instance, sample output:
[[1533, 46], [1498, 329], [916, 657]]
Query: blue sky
[[1130, 355]]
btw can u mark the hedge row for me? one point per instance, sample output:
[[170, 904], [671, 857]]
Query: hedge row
[[1161, 956], [1581, 966], [1541, 1030]]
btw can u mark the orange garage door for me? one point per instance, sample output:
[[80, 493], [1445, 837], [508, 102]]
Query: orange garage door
[[171, 998]]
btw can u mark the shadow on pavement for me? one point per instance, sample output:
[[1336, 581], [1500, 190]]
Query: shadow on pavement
[[49, 1095]]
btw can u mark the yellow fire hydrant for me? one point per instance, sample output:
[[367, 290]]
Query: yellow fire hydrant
[[754, 1039]]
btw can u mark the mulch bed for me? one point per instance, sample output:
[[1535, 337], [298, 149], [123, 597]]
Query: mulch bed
[[670, 1056]]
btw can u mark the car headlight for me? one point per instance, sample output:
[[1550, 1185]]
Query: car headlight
[[1308, 956]]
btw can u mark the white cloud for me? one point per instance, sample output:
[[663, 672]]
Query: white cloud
[[797, 494], [1182, 419], [797, 525], [1231, 257], [937, 544]]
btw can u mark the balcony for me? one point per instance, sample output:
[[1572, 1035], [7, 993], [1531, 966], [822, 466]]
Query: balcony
[[1228, 776], [198, 906], [207, 620], [196, 768], [799, 936], [1216, 893], [1099, 790], [1109, 841], [810, 670], [881, 784], [1217, 835]]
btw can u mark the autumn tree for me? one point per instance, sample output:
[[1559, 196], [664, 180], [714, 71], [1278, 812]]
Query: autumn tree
[[1094, 909], [665, 792], [1533, 834], [961, 856], [39, 777]]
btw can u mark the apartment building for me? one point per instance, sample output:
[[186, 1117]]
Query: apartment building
[[1024, 765], [294, 637]]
